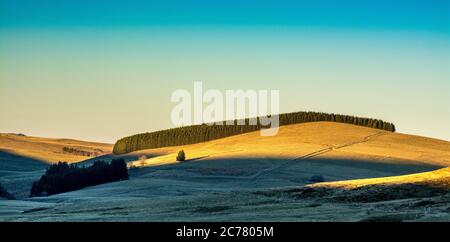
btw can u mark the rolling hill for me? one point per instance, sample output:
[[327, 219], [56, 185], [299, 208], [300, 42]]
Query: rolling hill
[[23, 159], [201, 133], [318, 140], [50, 150], [249, 177]]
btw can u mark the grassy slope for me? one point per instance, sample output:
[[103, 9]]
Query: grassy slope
[[201, 133], [319, 140], [439, 179], [49, 150], [23, 159]]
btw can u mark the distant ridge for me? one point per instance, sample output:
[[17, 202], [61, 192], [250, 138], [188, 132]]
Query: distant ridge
[[19, 148], [201, 133]]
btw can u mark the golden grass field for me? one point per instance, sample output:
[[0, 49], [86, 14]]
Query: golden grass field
[[317, 139], [50, 150], [439, 179]]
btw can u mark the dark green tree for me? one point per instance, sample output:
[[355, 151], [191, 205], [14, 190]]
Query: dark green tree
[[181, 156]]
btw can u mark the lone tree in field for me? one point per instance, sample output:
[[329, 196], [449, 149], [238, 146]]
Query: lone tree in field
[[181, 156]]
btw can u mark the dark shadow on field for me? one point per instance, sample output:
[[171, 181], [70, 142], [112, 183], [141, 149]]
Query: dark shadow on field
[[210, 174], [197, 158], [366, 194], [12, 162], [91, 161], [281, 171], [17, 172], [252, 177], [363, 168], [109, 157], [380, 202]]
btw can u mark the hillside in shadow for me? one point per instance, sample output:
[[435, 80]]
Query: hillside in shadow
[[13, 162]]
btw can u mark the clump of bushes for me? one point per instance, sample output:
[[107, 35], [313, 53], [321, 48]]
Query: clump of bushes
[[201, 133], [74, 151], [63, 177], [181, 156], [17, 134], [4, 193], [317, 178]]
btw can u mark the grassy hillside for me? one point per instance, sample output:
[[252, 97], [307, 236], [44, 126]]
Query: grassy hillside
[[23, 159], [49, 150], [200, 133], [438, 179], [315, 140], [419, 185]]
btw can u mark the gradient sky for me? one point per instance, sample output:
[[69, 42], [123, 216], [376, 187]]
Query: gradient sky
[[101, 70]]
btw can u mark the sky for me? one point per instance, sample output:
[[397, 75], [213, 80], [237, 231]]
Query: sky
[[101, 70]]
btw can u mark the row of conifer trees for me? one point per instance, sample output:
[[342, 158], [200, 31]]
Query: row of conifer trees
[[200, 133], [62, 177]]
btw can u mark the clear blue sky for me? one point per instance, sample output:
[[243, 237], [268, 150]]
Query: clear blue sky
[[100, 70]]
